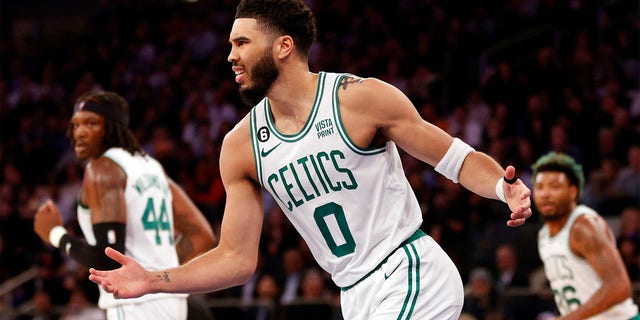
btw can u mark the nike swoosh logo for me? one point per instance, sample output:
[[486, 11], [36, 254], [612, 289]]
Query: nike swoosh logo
[[386, 276], [266, 153]]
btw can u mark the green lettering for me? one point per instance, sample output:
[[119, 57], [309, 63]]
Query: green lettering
[[324, 171], [288, 186], [273, 190], [353, 184], [295, 175], [303, 162], [315, 167]]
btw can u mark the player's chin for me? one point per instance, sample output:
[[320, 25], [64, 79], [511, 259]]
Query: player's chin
[[82, 154]]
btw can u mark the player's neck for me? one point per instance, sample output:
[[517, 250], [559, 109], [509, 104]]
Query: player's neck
[[556, 225], [291, 99]]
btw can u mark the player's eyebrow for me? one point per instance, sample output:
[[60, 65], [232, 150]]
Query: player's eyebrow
[[238, 39]]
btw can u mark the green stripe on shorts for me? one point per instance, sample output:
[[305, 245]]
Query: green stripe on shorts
[[413, 281]]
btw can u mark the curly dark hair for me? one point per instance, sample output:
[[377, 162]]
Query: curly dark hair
[[117, 134], [283, 17], [560, 162]]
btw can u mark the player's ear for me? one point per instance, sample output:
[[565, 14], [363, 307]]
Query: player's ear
[[283, 46], [574, 193]]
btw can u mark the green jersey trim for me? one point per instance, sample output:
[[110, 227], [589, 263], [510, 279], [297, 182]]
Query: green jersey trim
[[308, 125], [255, 144], [343, 132], [116, 161], [79, 202]]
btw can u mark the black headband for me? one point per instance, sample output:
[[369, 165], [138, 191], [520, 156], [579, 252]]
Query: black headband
[[112, 112]]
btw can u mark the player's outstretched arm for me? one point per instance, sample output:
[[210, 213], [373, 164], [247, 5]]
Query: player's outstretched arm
[[235, 258], [371, 103], [483, 175], [129, 281]]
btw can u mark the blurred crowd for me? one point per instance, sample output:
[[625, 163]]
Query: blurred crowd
[[513, 78]]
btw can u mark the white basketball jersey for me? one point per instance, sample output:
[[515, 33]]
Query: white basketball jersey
[[150, 234], [572, 279], [352, 206]]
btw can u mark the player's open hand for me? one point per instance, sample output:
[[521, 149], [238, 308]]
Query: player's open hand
[[128, 281], [518, 197]]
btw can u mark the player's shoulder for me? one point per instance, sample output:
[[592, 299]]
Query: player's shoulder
[[588, 223], [354, 84], [236, 155], [239, 134], [589, 233], [105, 169], [587, 215], [366, 94]]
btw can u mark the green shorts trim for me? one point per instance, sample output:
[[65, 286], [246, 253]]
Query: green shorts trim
[[416, 235]]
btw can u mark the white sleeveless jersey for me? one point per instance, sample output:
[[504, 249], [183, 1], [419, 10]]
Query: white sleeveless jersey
[[572, 279], [149, 236], [352, 206]]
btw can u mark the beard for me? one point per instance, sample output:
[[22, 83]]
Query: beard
[[263, 74], [561, 211], [555, 216]]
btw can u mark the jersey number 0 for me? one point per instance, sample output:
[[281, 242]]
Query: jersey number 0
[[333, 212]]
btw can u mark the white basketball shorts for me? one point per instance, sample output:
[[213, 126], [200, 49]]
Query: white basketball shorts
[[417, 281]]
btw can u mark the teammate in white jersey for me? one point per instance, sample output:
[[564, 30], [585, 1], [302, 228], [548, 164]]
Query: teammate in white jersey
[[324, 145], [127, 202], [577, 247]]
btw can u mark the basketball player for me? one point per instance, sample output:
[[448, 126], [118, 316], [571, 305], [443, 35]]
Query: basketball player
[[127, 202], [324, 145], [577, 247]]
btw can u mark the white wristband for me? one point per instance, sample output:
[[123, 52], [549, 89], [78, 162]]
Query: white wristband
[[56, 234], [500, 190], [450, 165]]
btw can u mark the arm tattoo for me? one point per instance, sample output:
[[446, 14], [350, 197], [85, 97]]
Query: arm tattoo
[[346, 81], [164, 277]]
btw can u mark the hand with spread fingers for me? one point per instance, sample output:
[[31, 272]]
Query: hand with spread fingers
[[517, 196], [127, 281]]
